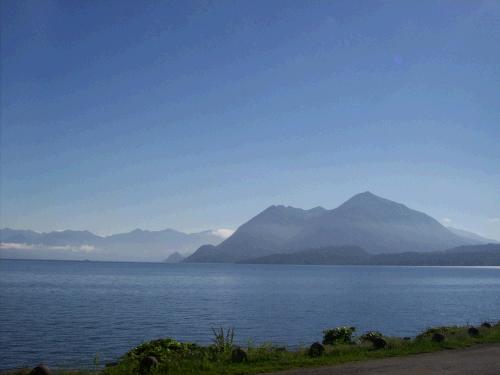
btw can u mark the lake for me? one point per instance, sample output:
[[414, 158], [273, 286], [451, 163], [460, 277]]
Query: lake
[[64, 313]]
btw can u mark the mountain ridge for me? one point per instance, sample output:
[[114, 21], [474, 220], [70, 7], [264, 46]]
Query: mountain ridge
[[135, 245], [376, 224], [470, 255]]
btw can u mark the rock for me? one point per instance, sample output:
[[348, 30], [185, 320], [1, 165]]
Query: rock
[[147, 364], [379, 343], [316, 350], [238, 355], [437, 337], [486, 325], [473, 331], [41, 370], [406, 338]]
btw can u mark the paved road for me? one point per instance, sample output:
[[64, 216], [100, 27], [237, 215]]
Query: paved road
[[477, 360]]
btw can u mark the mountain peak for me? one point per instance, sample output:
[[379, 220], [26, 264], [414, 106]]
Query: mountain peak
[[366, 195]]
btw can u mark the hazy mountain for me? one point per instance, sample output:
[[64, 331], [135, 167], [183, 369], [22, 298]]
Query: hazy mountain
[[56, 238], [471, 236], [156, 245], [137, 245], [337, 255], [373, 223], [174, 258], [379, 226], [472, 255], [19, 236], [261, 235], [69, 237]]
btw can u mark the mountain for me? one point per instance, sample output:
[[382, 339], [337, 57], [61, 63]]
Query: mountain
[[472, 255], [471, 235], [156, 245], [69, 237], [261, 235], [379, 226], [174, 258], [19, 236], [137, 245], [336, 255], [373, 223]]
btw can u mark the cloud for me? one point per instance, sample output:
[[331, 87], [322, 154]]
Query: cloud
[[494, 220], [25, 246], [446, 220], [87, 248], [16, 246], [224, 233]]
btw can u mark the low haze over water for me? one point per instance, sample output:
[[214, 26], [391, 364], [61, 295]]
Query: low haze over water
[[64, 313]]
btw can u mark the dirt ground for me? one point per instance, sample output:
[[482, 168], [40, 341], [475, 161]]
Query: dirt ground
[[477, 360]]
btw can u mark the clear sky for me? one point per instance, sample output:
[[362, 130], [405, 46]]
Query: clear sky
[[197, 115]]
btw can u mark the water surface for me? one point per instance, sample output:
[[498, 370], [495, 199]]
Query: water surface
[[64, 313]]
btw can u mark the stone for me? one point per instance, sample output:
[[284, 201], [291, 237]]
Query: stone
[[41, 370], [437, 337], [238, 355], [473, 331], [486, 325], [379, 343], [316, 350], [147, 364]]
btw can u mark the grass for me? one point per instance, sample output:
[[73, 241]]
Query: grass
[[185, 358]]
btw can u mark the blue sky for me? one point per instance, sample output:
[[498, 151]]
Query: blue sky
[[197, 115]]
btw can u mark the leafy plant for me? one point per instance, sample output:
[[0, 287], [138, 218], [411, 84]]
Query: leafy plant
[[370, 336], [164, 350], [223, 340], [338, 335]]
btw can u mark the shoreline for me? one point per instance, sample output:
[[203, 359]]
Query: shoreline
[[339, 346]]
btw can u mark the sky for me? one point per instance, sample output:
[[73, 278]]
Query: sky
[[193, 115]]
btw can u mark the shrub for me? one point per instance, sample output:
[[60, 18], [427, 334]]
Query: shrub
[[164, 350], [486, 325], [338, 335], [445, 331], [375, 338], [370, 336]]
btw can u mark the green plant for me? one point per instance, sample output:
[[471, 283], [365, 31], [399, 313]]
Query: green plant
[[96, 362], [370, 336], [223, 340], [338, 335], [164, 350]]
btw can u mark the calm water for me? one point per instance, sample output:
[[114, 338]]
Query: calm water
[[63, 313]]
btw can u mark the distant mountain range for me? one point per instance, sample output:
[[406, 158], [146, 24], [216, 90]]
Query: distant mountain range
[[175, 258], [137, 245], [366, 221], [472, 255], [471, 236], [363, 226]]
